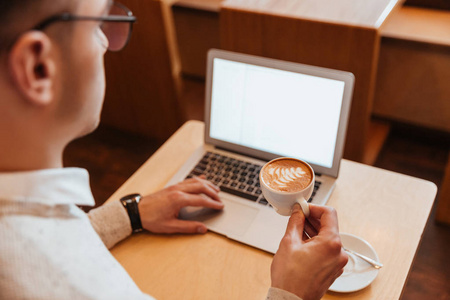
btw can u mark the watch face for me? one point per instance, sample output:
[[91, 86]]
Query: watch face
[[130, 202], [130, 197]]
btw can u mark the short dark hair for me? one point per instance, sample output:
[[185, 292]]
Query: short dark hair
[[20, 15], [7, 6], [8, 9]]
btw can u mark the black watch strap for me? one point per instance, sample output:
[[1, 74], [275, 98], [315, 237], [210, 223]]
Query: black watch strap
[[130, 202]]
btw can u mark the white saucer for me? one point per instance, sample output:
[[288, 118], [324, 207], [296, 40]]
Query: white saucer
[[358, 274]]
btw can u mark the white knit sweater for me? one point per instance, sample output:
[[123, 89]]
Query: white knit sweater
[[50, 249]]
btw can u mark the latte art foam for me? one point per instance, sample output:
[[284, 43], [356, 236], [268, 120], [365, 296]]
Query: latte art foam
[[287, 175], [284, 176]]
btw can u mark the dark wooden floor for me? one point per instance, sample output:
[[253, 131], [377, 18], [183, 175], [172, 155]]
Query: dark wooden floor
[[423, 154], [111, 156]]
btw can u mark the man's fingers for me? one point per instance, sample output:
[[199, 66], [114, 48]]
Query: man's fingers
[[201, 201], [200, 186], [182, 226], [324, 217], [296, 223], [310, 229], [313, 222], [203, 177]]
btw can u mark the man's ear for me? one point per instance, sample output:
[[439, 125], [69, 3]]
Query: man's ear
[[32, 67]]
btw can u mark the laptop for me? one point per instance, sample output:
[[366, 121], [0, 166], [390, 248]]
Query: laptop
[[258, 109]]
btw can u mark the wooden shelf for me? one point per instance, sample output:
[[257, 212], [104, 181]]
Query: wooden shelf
[[443, 207], [414, 68], [419, 24], [197, 30], [205, 5], [377, 135]]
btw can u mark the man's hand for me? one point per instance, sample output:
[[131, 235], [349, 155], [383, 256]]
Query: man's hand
[[307, 267], [159, 211]]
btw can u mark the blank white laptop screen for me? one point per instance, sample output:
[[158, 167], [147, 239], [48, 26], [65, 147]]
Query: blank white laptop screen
[[281, 112]]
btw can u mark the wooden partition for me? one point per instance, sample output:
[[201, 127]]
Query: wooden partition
[[334, 34], [197, 31], [142, 89], [413, 81], [443, 206]]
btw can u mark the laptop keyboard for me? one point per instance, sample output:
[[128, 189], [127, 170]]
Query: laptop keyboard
[[234, 176]]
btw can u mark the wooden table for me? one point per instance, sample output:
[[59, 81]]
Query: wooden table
[[387, 209]]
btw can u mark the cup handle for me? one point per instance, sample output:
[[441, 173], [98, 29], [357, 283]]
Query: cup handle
[[305, 206]]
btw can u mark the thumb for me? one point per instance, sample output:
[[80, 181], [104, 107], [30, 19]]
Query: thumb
[[182, 226], [296, 223]]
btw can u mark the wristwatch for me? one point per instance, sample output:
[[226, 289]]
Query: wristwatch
[[130, 202]]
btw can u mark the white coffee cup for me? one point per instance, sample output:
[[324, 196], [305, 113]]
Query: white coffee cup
[[283, 201]]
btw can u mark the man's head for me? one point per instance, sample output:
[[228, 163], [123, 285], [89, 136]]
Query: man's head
[[51, 76]]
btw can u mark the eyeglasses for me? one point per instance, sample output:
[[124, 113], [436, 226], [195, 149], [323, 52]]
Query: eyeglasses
[[116, 26]]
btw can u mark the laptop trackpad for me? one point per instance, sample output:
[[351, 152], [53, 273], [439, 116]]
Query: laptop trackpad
[[233, 220]]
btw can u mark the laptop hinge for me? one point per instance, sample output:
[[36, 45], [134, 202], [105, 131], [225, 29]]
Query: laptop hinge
[[240, 153], [256, 157]]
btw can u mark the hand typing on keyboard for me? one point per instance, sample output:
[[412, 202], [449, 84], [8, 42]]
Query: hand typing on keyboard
[[234, 176], [159, 211]]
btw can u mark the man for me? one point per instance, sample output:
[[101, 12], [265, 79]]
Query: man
[[51, 92]]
